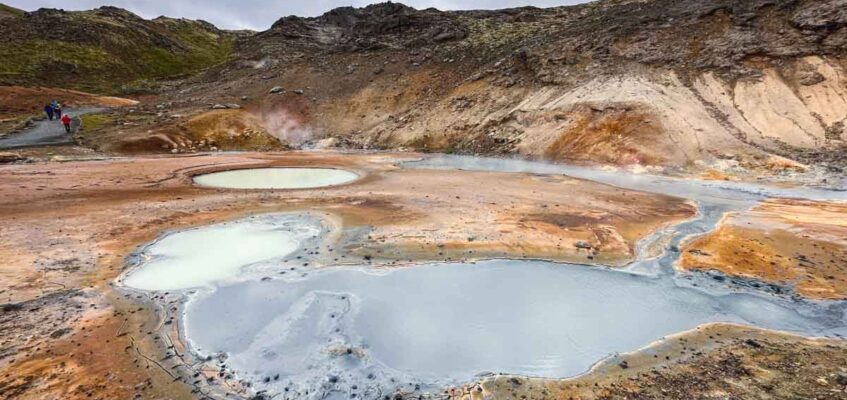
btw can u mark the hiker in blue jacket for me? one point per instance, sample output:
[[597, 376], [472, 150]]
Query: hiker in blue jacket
[[49, 110]]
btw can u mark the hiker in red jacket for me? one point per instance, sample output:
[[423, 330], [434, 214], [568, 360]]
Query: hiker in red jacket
[[66, 121]]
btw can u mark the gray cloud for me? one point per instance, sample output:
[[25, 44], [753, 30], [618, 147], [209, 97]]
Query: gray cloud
[[260, 14]]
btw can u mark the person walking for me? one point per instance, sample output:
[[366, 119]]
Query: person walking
[[49, 110], [57, 109], [66, 121]]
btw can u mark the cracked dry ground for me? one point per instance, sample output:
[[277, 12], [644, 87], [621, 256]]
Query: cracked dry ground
[[67, 333]]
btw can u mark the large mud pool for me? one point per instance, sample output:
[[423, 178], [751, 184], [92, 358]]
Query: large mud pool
[[354, 331]]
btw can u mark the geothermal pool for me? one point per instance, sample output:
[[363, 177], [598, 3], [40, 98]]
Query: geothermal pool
[[276, 178], [352, 330], [443, 324], [220, 252], [312, 333]]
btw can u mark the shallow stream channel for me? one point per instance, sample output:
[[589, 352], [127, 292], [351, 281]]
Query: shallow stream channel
[[284, 328]]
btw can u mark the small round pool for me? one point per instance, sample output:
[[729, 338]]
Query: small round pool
[[276, 178]]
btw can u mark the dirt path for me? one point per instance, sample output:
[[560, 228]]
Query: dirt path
[[46, 132]]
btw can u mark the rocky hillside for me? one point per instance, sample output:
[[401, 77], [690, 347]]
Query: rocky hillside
[[720, 87], [104, 50]]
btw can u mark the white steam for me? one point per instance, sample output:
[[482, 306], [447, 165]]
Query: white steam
[[287, 128]]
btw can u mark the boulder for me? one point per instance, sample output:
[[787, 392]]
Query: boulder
[[581, 244]]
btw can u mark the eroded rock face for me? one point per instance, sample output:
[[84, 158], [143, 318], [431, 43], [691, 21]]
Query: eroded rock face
[[375, 27], [830, 15], [688, 33], [648, 118]]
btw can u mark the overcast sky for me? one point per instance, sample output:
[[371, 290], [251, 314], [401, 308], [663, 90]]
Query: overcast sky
[[260, 14]]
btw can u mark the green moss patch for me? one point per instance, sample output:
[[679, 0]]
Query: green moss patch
[[93, 122]]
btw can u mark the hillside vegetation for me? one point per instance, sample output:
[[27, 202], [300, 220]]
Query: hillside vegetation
[[8, 11], [107, 50]]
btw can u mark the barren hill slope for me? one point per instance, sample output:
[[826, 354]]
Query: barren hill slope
[[681, 84], [722, 87]]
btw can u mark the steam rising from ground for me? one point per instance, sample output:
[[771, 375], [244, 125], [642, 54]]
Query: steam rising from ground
[[262, 63], [287, 127]]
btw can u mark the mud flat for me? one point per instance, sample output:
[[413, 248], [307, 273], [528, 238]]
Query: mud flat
[[801, 244], [718, 360], [304, 333], [714, 360], [800, 206], [351, 331], [67, 231]]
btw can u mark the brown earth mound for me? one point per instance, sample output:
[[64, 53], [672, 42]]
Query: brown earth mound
[[791, 242]]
